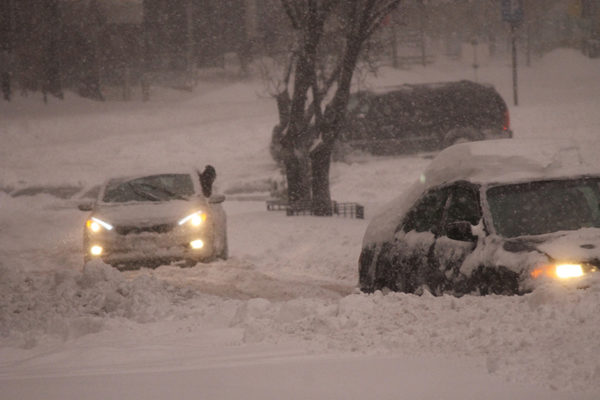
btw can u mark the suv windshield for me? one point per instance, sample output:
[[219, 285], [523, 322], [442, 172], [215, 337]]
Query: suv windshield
[[149, 188], [535, 208]]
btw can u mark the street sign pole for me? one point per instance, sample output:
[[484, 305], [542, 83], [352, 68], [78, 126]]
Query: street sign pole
[[512, 12], [513, 39]]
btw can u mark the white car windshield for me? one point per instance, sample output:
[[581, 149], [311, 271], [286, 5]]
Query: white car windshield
[[149, 188], [535, 208]]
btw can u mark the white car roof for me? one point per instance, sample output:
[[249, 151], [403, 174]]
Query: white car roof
[[512, 160], [491, 162]]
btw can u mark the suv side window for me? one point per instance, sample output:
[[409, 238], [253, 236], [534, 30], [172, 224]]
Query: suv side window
[[464, 204], [427, 213]]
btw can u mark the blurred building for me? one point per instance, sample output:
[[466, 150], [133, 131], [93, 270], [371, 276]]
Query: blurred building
[[85, 44]]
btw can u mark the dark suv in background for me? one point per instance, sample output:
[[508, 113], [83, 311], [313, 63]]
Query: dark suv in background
[[423, 117]]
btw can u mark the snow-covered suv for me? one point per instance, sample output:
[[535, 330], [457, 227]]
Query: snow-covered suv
[[491, 217]]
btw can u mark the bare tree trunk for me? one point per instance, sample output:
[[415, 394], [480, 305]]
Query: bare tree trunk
[[89, 60], [321, 196], [7, 45], [422, 32], [307, 146], [51, 79], [332, 119], [297, 171], [394, 43], [146, 50], [296, 139], [189, 45], [296, 159]]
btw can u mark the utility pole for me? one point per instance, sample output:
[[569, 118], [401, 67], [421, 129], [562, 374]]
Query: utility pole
[[189, 53], [394, 33], [513, 39], [145, 52], [422, 32], [512, 12], [475, 44]]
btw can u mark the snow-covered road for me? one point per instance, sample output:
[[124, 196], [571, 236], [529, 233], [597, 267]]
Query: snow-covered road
[[281, 318]]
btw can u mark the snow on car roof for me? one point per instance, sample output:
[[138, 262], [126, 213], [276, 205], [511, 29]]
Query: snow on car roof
[[490, 162], [500, 161], [409, 87]]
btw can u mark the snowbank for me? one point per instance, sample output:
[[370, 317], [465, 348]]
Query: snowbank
[[548, 336], [69, 304]]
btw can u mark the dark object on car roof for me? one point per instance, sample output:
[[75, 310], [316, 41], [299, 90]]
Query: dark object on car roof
[[423, 117]]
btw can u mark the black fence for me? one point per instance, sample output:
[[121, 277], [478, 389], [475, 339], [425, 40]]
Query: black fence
[[348, 210]]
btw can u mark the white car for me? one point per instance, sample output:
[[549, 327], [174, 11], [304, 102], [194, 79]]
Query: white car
[[148, 220], [491, 217]]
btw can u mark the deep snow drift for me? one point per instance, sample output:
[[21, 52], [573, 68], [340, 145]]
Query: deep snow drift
[[281, 318]]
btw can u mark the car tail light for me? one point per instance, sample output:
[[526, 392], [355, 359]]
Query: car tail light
[[506, 125]]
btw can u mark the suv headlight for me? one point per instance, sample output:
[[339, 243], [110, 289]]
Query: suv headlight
[[96, 225], [565, 271], [194, 219], [560, 271]]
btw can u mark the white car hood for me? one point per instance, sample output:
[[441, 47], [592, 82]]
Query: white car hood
[[575, 246], [147, 213]]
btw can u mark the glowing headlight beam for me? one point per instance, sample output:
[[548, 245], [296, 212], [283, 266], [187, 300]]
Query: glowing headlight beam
[[95, 224], [566, 271], [196, 219]]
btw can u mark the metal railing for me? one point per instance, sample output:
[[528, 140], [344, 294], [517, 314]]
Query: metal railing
[[346, 209]]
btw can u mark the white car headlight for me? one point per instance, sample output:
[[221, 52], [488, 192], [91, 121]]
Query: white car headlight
[[194, 219], [196, 244], [96, 225], [96, 250]]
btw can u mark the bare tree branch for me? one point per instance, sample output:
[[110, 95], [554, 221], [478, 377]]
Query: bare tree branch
[[288, 71], [380, 14], [291, 12]]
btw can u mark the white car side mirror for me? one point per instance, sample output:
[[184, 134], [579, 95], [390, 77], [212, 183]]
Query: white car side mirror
[[86, 206]]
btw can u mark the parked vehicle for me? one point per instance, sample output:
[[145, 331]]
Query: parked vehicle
[[491, 217], [152, 219], [423, 117]]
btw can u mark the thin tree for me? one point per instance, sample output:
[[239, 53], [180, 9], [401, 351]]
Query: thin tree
[[51, 80], [330, 37], [6, 46]]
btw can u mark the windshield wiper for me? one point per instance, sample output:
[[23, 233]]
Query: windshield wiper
[[166, 191], [142, 193]]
